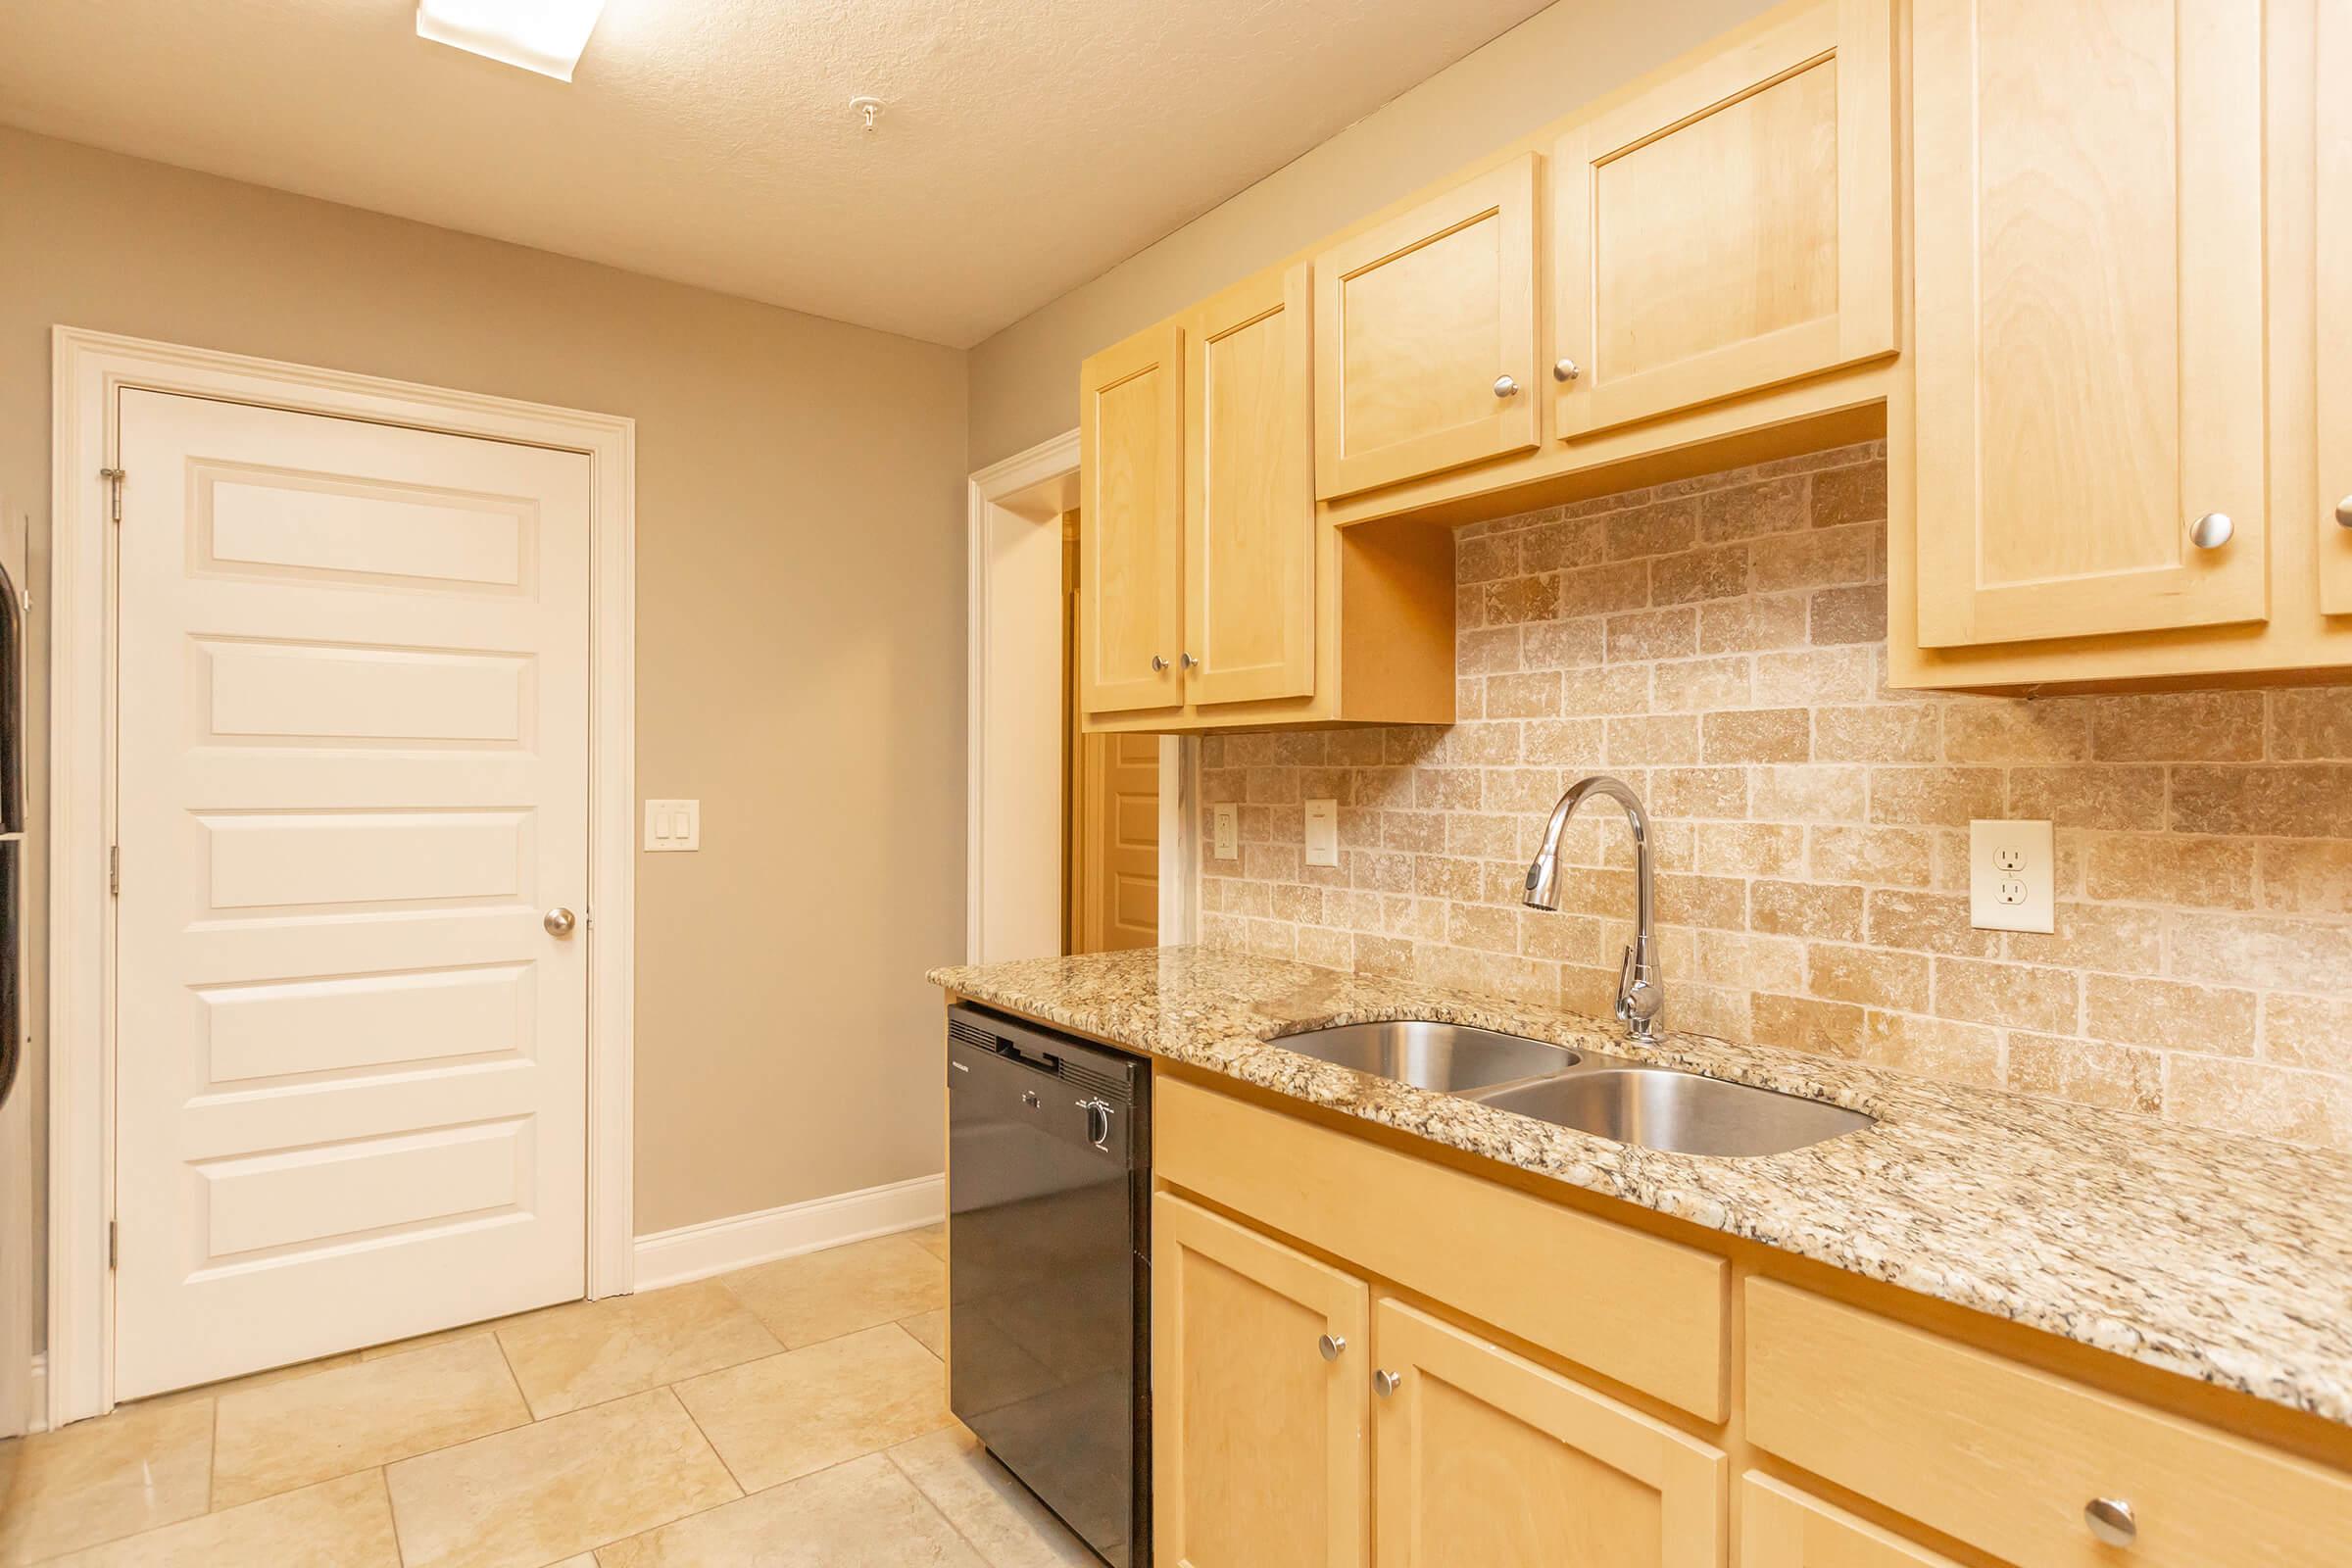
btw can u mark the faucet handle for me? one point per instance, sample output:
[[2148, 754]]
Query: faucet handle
[[1639, 999]]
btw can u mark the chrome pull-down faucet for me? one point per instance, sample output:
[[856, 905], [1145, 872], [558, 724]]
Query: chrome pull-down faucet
[[1639, 998]]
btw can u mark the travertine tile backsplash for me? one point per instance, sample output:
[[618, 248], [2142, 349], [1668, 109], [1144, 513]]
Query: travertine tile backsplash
[[1721, 645]]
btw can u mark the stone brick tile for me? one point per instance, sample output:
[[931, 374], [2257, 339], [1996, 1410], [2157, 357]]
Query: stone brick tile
[[1810, 909], [1391, 958], [1486, 560], [2307, 876], [1751, 849], [1806, 1023], [1928, 922], [1697, 685], [2179, 727], [2308, 1031], [1273, 939], [2118, 937], [2306, 799], [1808, 793], [1563, 937], [2257, 1098], [2311, 723], [1958, 1053], [1417, 832], [1808, 679], [1854, 494], [1908, 732], [1890, 856], [1644, 740], [1758, 735], [1357, 748], [1752, 624], [1933, 795], [1745, 960], [1520, 599], [2009, 996], [2092, 796], [1617, 689], [1657, 529], [1871, 976], [1300, 906], [1751, 510], [1717, 571], [2266, 951], [1531, 694], [1654, 635], [1478, 925], [1333, 950], [2170, 868], [1720, 792], [1563, 742], [1591, 992], [1823, 559], [1856, 615], [2088, 1072], [2006, 731], [1564, 543], [1479, 836], [2168, 1013], [1563, 643], [1489, 651], [1470, 606], [1603, 590], [1705, 901]]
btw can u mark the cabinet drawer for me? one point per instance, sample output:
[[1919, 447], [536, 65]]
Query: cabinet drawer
[[1631, 1306], [1779, 1527], [2006, 1457]]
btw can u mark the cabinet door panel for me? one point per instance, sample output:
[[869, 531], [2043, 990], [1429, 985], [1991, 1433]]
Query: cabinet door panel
[[1131, 524], [1732, 229], [2090, 357], [1415, 321], [1779, 1527], [1258, 1448], [1250, 534], [2334, 239], [1484, 1457]]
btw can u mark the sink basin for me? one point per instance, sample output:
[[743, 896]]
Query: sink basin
[[1678, 1112], [1445, 1057]]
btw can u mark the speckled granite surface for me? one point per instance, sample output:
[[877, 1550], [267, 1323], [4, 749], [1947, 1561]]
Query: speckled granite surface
[[2225, 1259]]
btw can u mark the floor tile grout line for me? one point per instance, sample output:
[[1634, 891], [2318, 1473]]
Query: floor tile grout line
[[741, 1491], [891, 1456]]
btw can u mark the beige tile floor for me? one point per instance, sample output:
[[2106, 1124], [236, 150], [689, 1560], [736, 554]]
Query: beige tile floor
[[792, 1415]]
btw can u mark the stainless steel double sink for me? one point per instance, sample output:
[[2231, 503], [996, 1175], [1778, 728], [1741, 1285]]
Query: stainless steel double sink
[[1609, 1097]]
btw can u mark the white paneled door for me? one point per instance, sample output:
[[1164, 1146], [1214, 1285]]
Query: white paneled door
[[351, 1050]]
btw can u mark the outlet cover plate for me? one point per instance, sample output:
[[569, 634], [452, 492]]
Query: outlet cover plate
[[2012, 870], [1322, 832], [1226, 831]]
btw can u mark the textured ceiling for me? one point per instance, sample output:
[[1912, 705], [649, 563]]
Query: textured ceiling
[[1026, 145]]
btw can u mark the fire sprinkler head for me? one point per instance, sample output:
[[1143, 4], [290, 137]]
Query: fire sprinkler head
[[867, 110]]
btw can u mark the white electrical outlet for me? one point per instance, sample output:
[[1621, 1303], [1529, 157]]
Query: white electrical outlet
[[1322, 832], [2012, 868], [673, 825], [1226, 828]]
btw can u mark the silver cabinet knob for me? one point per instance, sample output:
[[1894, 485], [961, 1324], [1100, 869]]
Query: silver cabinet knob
[[1385, 1382], [1330, 1344], [1566, 369], [560, 921], [2111, 1521], [1157, 664], [1190, 663], [2343, 513], [1505, 387], [2212, 530]]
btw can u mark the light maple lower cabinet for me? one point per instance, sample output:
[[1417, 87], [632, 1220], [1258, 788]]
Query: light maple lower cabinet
[[1781, 1527], [1483, 1457]]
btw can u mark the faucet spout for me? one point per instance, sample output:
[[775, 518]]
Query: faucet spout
[[1639, 998]]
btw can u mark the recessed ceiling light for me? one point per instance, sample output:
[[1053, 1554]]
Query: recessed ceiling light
[[542, 36]]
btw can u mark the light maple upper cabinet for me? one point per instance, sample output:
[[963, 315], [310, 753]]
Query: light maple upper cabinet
[[1259, 1383], [1131, 533], [1249, 500], [1425, 336], [2334, 235], [1485, 1458], [2089, 334], [1731, 228]]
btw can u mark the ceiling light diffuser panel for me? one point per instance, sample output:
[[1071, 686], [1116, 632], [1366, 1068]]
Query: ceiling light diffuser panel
[[541, 36]]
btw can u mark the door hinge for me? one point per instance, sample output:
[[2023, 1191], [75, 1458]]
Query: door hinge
[[114, 868], [114, 478], [114, 1243]]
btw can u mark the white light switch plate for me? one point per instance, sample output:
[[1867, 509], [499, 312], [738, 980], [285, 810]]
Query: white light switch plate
[[1322, 832], [1226, 829], [2012, 868], [673, 825]]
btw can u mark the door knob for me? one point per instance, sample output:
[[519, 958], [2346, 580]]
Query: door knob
[[1566, 370], [1330, 1344], [2111, 1520], [2343, 513], [1505, 387], [560, 921], [2212, 530]]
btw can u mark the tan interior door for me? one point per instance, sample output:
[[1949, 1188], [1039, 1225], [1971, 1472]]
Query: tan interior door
[[1259, 1446], [351, 1055], [1121, 880], [1250, 497], [1485, 1458], [1731, 228], [1131, 537], [1425, 337], [2088, 195], [2334, 240]]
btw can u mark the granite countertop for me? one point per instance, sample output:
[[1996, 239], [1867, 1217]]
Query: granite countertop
[[2224, 1259]]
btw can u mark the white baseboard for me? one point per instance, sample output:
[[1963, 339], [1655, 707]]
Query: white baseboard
[[36, 1395], [716, 1245]]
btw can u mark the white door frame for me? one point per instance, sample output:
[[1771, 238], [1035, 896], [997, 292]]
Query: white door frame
[[91, 370], [1013, 734]]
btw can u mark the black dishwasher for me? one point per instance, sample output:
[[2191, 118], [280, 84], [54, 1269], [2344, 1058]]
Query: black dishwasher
[[1048, 1269]]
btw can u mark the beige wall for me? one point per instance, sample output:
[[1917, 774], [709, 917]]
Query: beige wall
[[1025, 379], [1721, 644], [799, 617]]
